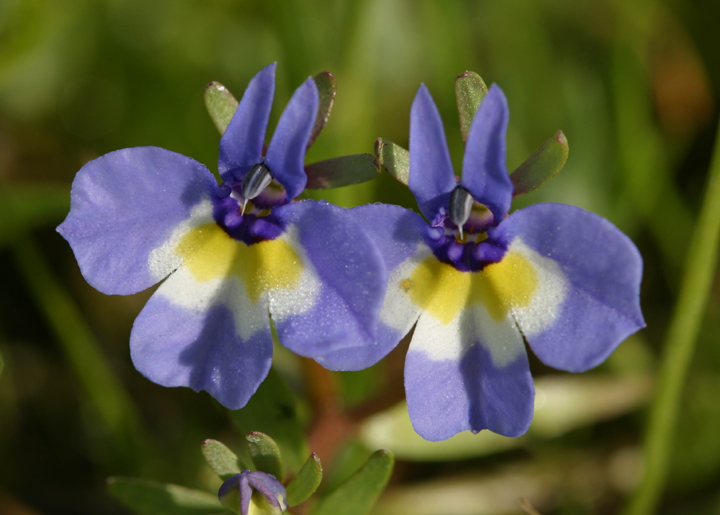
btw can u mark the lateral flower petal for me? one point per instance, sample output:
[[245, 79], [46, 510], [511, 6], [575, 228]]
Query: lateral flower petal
[[286, 152], [242, 143], [397, 233], [127, 203], [485, 174], [334, 300], [431, 174], [587, 300]]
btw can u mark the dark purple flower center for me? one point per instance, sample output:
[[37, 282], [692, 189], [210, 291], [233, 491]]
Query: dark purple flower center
[[256, 222], [469, 251]]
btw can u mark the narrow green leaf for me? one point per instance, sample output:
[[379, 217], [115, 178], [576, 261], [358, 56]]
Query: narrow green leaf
[[221, 105], [327, 87], [341, 171], [274, 411], [152, 498], [470, 90], [265, 454], [357, 495], [306, 482], [221, 459], [393, 159], [541, 166]]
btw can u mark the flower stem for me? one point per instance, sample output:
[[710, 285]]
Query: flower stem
[[679, 345]]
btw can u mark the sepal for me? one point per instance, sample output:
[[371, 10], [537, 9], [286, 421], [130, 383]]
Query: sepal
[[221, 105], [222, 460], [302, 486], [327, 86], [470, 90], [265, 453], [393, 158], [541, 166], [341, 171], [358, 495]]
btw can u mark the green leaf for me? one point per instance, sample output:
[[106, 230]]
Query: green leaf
[[274, 411], [221, 105], [152, 498], [265, 454], [393, 158], [221, 459], [341, 171], [306, 482], [357, 495], [327, 87], [28, 207], [470, 90], [542, 166]]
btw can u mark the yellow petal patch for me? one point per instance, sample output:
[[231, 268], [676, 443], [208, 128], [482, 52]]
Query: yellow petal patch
[[210, 253], [443, 291]]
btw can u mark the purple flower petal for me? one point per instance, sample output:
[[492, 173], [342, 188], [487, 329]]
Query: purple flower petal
[[270, 487], [242, 143], [125, 205], [432, 179], [336, 301], [467, 376], [286, 152], [207, 336], [398, 234], [588, 284], [485, 174]]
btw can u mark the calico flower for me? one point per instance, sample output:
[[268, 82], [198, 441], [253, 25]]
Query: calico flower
[[231, 255], [475, 282], [253, 493]]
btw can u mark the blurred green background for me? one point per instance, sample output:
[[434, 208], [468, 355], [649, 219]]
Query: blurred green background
[[634, 85]]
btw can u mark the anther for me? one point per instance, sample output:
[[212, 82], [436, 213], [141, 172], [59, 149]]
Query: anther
[[461, 203], [254, 182]]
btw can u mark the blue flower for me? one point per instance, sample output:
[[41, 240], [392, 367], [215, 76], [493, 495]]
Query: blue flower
[[230, 254], [477, 282], [253, 493]]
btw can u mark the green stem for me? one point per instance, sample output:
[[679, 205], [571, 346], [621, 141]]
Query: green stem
[[680, 341]]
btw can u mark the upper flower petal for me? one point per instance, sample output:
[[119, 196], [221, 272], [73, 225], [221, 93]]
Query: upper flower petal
[[432, 179], [470, 373], [398, 234], [125, 205], [334, 300], [242, 143], [286, 152], [583, 298], [485, 174], [207, 325]]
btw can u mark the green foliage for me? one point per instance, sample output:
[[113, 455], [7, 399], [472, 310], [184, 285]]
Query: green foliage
[[152, 498], [302, 486], [359, 493], [265, 454], [470, 90], [221, 459]]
